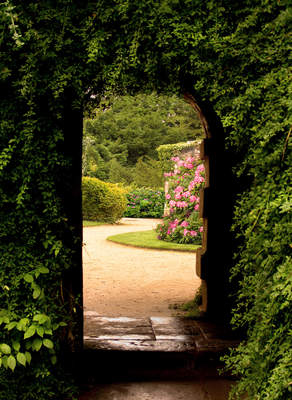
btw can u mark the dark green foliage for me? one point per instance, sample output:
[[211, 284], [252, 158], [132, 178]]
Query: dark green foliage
[[39, 382], [102, 201], [131, 127], [145, 203], [54, 56], [120, 139], [117, 173], [147, 172]]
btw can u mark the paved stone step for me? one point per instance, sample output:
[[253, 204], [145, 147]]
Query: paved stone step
[[124, 348], [211, 389], [163, 334]]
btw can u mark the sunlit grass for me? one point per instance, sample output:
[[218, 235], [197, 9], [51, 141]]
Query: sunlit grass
[[93, 223], [148, 239]]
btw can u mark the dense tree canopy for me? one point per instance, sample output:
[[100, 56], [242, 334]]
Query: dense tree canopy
[[234, 55], [133, 127]]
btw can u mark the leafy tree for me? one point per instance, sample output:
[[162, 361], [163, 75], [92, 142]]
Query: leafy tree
[[134, 126], [117, 173], [148, 173]]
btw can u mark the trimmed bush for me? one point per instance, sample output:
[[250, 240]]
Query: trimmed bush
[[145, 203], [102, 201]]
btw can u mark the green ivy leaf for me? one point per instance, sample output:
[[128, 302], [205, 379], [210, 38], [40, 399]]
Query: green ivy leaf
[[28, 357], [28, 278], [36, 292], [43, 270], [37, 344], [16, 345], [4, 361], [5, 348], [21, 358], [11, 362], [53, 360], [30, 332], [22, 324], [48, 343], [11, 325], [40, 331], [40, 318]]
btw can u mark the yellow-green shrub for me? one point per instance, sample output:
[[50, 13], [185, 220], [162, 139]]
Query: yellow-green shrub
[[102, 201]]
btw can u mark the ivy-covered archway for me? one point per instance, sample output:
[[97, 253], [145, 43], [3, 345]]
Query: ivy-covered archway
[[53, 57]]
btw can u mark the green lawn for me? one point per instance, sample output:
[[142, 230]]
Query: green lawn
[[148, 239], [93, 223]]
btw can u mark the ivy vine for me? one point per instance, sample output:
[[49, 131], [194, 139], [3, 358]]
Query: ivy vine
[[60, 55]]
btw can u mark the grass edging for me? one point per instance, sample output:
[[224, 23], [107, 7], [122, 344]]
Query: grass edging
[[148, 239], [86, 223]]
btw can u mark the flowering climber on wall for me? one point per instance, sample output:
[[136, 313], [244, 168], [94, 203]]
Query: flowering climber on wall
[[183, 224]]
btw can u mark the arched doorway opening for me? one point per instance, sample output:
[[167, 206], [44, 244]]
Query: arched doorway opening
[[142, 339], [215, 208], [171, 120]]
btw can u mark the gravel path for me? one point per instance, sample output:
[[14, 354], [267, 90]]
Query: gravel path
[[126, 281]]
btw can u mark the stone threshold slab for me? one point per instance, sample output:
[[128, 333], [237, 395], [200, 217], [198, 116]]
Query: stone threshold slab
[[164, 334], [165, 346]]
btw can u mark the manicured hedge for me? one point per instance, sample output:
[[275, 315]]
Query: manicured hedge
[[102, 201], [145, 203], [167, 151]]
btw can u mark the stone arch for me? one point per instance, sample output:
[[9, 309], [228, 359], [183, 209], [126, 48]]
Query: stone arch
[[213, 259]]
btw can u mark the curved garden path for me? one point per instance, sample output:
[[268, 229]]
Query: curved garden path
[[127, 281]]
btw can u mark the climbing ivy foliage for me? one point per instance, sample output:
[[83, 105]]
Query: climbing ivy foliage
[[54, 57]]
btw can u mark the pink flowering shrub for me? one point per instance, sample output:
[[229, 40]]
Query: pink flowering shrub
[[183, 224]]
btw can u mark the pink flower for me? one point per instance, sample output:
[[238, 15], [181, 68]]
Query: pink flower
[[173, 224], [179, 189], [188, 165], [175, 159], [191, 185], [180, 163], [168, 196], [200, 168], [196, 207], [177, 196], [201, 229], [192, 199], [184, 223], [190, 159], [193, 233], [172, 203], [168, 231], [186, 232], [186, 194]]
